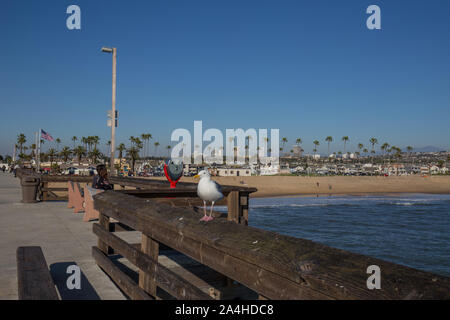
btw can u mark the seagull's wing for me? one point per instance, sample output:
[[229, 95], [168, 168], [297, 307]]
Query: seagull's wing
[[218, 186]]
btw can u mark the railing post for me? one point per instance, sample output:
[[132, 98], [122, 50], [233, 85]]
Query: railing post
[[243, 208], [233, 206], [237, 203], [148, 281], [104, 223]]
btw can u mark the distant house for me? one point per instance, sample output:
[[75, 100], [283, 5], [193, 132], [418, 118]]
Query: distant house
[[233, 172]]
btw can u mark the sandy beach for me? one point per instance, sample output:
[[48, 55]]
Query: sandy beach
[[273, 186]]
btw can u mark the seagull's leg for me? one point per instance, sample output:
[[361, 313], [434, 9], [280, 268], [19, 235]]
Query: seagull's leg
[[210, 212], [204, 218]]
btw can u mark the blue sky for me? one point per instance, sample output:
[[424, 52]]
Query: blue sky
[[309, 68]]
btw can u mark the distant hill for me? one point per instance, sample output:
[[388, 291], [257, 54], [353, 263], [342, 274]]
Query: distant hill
[[428, 149]]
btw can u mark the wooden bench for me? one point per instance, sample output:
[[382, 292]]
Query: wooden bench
[[70, 194], [34, 279], [77, 198], [89, 212]]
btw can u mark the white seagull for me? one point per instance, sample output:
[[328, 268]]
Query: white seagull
[[208, 190]]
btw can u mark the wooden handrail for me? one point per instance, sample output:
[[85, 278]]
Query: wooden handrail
[[274, 265]]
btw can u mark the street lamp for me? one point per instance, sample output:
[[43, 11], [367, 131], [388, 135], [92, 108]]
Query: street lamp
[[113, 108]]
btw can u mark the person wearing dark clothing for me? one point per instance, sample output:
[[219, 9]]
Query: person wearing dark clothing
[[100, 180]]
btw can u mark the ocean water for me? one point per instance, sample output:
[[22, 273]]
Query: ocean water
[[412, 230]]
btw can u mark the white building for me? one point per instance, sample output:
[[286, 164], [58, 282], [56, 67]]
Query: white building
[[233, 172]]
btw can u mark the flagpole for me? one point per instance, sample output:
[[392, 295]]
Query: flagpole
[[38, 166], [35, 148]]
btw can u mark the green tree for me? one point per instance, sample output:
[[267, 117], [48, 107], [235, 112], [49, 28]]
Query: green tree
[[58, 141], [133, 154], [121, 148], [74, 139], [316, 143], [94, 154], [373, 142], [156, 147], [79, 151], [51, 155], [21, 139], [345, 139], [284, 141], [329, 139], [65, 153], [384, 146]]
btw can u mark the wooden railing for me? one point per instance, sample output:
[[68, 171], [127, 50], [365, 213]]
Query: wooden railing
[[272, 265], [236, 197]]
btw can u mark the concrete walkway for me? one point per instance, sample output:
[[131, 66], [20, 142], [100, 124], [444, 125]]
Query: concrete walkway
[[65, 240]]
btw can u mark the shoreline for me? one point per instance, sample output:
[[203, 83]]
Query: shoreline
[[352, 194], [297, 186]]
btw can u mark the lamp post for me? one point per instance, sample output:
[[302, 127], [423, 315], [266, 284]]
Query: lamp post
[[113, 108]]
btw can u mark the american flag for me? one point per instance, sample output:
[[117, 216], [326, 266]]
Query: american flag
[[46, 136]]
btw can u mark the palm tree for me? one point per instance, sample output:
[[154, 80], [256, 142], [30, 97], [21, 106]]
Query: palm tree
[[51, 155], [74, 139], [360, 146], [373, 142], [329, 139], [79, 151], [365, 151], [133, 154], [409, 149], [384, 146], [156, 147], [345, 139], [95, 141], [21, 139], [138, 143], [94, 155], [33, 150], [84, 141], [284, 141], [58, 141], [132, 140], [168, 150], [146, 138], [65, 153], [121, 148], [316, 143]]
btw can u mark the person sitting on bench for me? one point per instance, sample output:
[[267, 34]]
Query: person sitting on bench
[[100, 180]]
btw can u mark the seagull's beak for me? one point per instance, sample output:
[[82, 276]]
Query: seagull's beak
[[196, 176]]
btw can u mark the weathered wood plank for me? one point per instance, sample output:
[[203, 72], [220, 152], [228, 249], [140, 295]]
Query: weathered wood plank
[[243, 209], [160, 184], [166, 279], [121, 279], [104, 222], [233, 206], [34, 279], [310, 269], [147, 279]]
